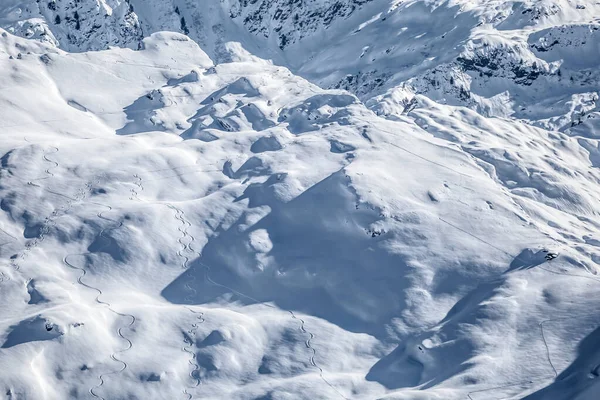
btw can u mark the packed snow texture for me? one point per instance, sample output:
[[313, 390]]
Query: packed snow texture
[[184, 219]]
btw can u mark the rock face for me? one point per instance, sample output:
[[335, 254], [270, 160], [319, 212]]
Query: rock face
[[80, 25]]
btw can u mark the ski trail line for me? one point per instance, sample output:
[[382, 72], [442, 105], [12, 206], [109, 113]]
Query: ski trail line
[[546, 346], [134, 192], [314, 354], [191, 333], [48, 170], [132, 319]]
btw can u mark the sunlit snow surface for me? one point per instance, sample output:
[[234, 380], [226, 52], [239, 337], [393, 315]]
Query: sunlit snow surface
[[172, 229]]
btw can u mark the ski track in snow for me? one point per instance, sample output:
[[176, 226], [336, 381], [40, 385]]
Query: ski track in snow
[[546, 345], [314, 354], [541, 324], [188, 340], [48, 221], [185, 248], [132, 319]]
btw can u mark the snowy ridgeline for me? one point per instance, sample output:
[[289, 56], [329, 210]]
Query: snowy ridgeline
[[534, 60], [175, 229]]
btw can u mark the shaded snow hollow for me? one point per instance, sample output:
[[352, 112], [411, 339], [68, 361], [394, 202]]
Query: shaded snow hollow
[[174, 229]]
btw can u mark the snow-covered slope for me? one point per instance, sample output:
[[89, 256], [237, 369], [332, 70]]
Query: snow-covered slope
[[185, 221]]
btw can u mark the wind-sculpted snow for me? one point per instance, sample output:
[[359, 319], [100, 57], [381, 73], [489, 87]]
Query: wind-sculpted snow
[[174, 228], [74, 25]]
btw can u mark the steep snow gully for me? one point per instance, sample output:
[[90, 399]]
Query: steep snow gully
[[332, 199]]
